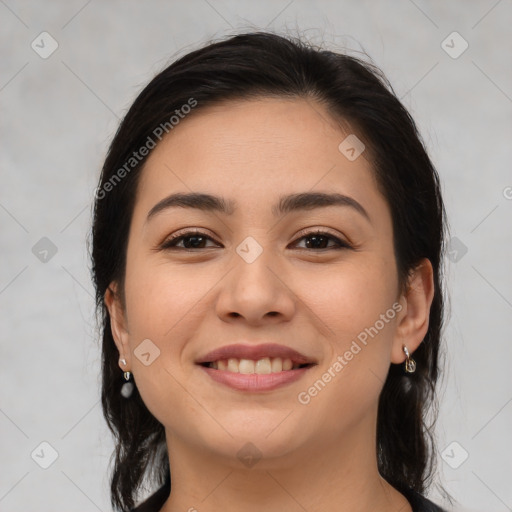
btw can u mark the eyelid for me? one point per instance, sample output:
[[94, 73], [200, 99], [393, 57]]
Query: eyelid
[[321, 231], [341, 242], [184, 233]]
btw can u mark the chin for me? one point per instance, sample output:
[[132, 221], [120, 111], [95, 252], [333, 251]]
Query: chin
[[257, 435], [254, 453]]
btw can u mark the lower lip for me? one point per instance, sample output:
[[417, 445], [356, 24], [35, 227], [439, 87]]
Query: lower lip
[[255, 382]]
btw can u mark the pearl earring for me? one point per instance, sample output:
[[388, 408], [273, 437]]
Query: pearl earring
[[127, 388]]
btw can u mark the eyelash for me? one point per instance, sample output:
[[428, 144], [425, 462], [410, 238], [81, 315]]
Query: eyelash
[[170, 244]]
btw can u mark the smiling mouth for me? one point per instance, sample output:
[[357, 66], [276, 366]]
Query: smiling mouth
[[263, 366]]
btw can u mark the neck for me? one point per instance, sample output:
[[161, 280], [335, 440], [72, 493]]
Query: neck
[[339, 475]]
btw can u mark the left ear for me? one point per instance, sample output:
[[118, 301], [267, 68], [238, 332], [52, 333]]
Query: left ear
[[413, 319]]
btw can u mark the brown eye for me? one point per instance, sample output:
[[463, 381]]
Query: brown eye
[[191, 240], [320, 240]]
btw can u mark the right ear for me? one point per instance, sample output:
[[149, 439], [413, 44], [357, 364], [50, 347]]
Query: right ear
[[118, 322]]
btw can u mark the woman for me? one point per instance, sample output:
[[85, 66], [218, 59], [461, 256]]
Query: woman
[[267, 248]]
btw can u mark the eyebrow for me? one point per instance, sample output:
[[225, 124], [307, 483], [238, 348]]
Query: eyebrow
[[286, 204]]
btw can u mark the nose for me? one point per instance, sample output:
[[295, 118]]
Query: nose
[[256, 293]]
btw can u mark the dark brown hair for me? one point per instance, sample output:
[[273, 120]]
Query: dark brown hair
[[256, 65]]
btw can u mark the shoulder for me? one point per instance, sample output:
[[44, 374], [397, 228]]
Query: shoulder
[[419, 503]]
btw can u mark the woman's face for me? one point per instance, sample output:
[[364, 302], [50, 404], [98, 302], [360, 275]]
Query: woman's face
[[257, 274]]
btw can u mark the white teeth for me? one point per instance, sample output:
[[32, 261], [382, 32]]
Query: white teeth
[[233, 365], [277, 365], [246, 366], [287, 364], [262, 366]]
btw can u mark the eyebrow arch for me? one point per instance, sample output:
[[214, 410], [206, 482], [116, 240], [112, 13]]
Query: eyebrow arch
[[286, 204]]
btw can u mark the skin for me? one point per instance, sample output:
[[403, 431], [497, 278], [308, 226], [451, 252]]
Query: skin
[[317, 456]]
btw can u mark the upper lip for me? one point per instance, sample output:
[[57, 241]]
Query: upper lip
[[255, 352]]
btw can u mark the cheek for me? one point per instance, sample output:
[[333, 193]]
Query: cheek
[[163, 307], [359, 312], [162, 296], [352, 296]]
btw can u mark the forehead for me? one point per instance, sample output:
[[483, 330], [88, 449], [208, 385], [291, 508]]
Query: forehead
[[256, 149]]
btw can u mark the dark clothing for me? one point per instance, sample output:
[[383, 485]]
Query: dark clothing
[[156, 501], [420, 503]]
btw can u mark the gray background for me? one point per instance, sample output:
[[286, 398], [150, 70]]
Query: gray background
[[59, 114]]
